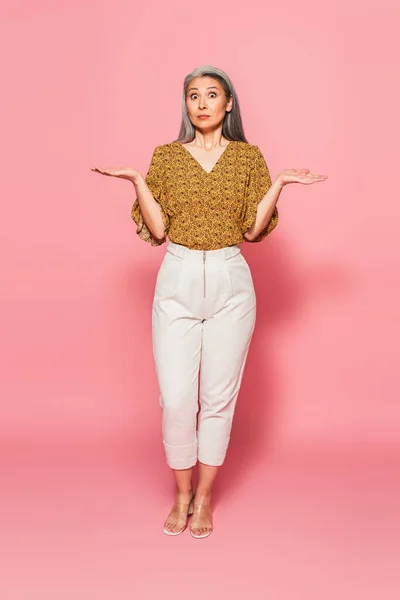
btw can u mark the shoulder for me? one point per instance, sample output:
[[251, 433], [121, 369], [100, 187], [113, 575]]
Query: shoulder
[[160, 155], [246, 146], [161, 149], [165, 151], [250, 150], [254, 150], [249, 154]]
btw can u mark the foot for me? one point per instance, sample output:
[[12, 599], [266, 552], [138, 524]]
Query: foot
[[176, 521], [201, 524]]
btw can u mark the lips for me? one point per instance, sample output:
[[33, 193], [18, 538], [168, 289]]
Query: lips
[[203, 116]]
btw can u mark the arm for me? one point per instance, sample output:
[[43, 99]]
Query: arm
[[148, 210], [265, 210], [149, 207]]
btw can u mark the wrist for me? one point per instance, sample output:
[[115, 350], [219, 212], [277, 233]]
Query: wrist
[[137, 180], [279, 183]]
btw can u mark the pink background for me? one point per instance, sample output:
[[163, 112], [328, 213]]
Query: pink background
[[314, 456]]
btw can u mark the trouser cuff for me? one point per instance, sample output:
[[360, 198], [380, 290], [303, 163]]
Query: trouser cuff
[[181, 457], [212, 453]]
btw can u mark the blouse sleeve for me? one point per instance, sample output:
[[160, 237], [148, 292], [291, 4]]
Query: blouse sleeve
[[155, 180], [258, 184]]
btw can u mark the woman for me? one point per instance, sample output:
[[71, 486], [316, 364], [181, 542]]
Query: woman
[[208, 191]]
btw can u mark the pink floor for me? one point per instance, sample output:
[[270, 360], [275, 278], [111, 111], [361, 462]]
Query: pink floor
[[308, 525]]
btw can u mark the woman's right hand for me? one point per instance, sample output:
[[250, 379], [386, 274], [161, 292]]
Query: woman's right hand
[[122, 172]]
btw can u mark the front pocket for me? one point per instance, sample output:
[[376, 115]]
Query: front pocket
[[169, 276]]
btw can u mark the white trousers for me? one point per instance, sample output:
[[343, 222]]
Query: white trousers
[[203, 318]]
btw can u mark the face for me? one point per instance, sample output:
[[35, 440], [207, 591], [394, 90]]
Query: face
[[206, 102]]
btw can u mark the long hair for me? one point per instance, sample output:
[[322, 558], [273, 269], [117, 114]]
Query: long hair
[[232, 127]]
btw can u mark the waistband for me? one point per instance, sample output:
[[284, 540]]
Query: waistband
[[184, 251]]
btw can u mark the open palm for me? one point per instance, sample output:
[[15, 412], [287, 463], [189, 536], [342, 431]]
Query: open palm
[[122, 172], [300, 176]]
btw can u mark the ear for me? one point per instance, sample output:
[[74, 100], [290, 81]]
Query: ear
[[229, 104]]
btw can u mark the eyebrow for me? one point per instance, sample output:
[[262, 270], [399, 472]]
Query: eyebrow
[[209, 88]]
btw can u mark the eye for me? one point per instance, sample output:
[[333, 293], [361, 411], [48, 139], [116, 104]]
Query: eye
[[194, 95]]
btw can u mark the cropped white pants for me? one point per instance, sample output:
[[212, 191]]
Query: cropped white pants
[[203, 317]]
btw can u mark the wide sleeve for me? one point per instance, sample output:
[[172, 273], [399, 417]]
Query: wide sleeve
[[258, 184], [155, 180]]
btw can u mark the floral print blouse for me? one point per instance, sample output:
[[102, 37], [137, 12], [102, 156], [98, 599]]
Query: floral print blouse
[[206, 210]]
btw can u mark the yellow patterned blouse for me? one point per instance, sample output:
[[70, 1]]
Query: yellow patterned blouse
[[206, 210]]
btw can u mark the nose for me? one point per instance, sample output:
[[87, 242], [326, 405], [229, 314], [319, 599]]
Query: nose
[[202, 103]]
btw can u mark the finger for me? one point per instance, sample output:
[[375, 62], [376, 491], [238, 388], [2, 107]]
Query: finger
[[316, 179]]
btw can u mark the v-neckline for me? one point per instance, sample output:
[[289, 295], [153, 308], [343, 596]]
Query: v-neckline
[[197, 162]]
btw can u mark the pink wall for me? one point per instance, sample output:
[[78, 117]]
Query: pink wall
[[88, 84]]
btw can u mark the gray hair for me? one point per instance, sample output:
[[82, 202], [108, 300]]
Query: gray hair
[[232, 127]]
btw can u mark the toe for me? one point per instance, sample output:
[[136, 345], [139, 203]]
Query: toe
[[170, 526]]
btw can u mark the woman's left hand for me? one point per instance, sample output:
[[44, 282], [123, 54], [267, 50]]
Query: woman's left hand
[[299, 176]]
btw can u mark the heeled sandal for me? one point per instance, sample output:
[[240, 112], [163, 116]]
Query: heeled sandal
[[195, 525], [181, 509]]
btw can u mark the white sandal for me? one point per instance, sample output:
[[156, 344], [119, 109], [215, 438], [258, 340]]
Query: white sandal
[[198, 508], [181, 508]]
